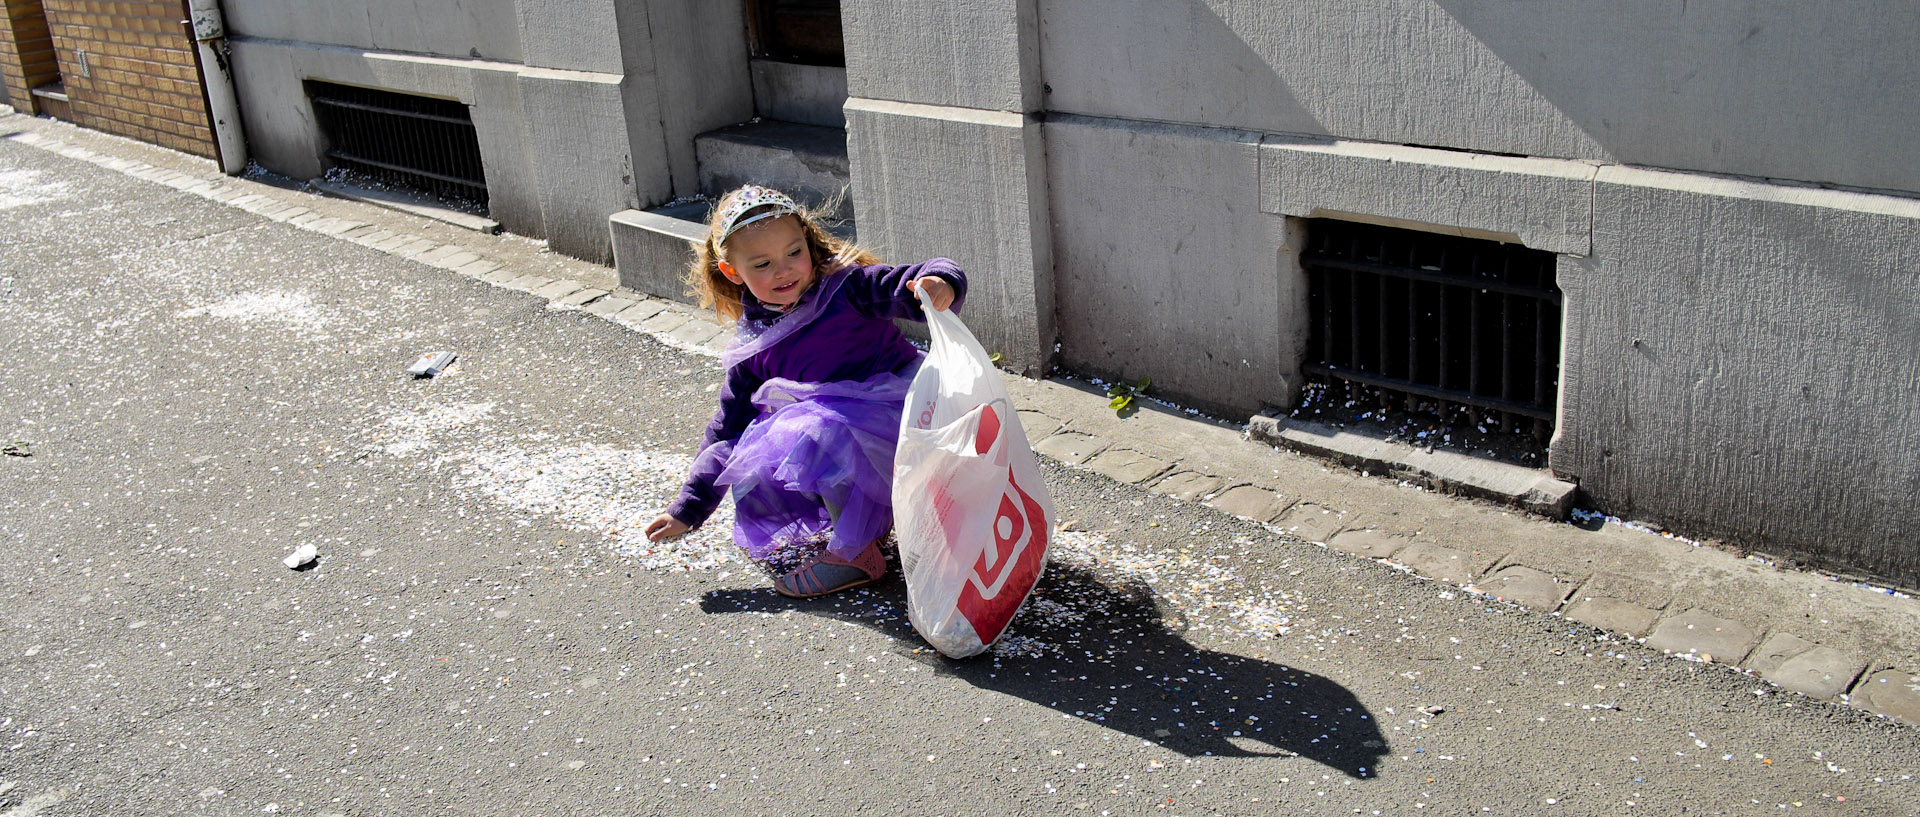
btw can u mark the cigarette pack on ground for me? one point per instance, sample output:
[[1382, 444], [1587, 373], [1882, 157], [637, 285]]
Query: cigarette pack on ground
[[431, 363]]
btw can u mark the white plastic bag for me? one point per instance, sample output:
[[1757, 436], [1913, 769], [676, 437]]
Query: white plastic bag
[[969, 508]]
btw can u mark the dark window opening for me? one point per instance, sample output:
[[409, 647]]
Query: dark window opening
[[802, 31], [1447, 327], [411, 142]]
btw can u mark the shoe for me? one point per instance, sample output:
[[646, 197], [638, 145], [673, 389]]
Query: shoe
[[828, 573]]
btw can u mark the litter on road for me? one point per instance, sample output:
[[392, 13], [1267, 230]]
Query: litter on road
[[431, 363]]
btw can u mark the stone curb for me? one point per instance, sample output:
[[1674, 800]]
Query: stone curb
[[1076, 429]]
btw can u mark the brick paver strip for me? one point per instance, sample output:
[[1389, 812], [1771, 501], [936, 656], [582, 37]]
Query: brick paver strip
[[1314, 523], [437, 253], [582, 297], [501, 276], [1451, 565], [1071, 447], [413, 248], [609, 305], [1367, 543], [1188, 485], [1694, 632], [1527, 587], [559, 288], [1037, 425], [1822, 672], [1251, 502], [394, 242], [289, 214], [357, 233], [528, 283], [479, 268], [640, 312], [1613, 615], [332, 226], [695, 332], [1892, 692], [1128, 466], [456, 260], [1774, 650], [666, 321]]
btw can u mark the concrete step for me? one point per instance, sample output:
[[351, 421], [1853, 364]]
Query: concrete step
[[808, 162], [51, 100], [652, 248]]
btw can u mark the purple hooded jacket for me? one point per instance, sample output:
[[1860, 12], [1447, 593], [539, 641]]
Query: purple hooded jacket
[[854, 338]]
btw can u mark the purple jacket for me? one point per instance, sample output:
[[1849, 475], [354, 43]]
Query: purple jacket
[[854, 338]]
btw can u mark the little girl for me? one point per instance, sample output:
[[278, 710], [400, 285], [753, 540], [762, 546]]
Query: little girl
[[816, 377]]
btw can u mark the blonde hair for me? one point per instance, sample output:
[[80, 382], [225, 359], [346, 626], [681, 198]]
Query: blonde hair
[[705, 281]]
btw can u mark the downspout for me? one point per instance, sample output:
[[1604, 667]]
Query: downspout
[[210, 32]]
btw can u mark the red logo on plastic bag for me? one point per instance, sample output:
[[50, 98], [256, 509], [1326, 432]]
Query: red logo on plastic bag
[[1008, 568]]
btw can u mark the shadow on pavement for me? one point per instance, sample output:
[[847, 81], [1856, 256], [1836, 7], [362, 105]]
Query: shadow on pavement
[[1106, 654]]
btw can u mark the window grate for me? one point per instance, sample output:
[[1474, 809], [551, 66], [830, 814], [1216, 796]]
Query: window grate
[[1456, 320], [404, 140]]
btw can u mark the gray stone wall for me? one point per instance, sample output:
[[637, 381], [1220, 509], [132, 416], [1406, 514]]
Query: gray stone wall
[[1785, 90], [583, 108], [474, 29], [946, 156], [1741, 364], [1168, 269]]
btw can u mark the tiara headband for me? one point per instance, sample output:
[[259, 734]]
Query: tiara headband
[[749, 197]]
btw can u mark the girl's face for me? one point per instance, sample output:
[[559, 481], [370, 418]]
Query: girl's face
[[771, 259]]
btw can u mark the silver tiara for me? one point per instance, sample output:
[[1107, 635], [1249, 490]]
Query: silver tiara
[[747, 198]]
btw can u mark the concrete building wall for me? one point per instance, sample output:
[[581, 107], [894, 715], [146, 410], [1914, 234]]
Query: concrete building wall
[[1741, 364], [1169, 270], [1731, 87], [947, 157], [933, 181], [474, 29], [583, 108]]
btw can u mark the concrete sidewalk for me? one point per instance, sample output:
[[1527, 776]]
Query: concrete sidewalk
[[1824, 637]]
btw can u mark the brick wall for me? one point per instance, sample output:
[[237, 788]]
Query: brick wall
[[130, 69], [26, 52]]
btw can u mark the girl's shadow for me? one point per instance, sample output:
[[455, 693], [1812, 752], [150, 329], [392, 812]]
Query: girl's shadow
[[1106, 654]]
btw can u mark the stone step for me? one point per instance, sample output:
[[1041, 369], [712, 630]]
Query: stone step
[[51, 100], [808, 162], [652, 248]]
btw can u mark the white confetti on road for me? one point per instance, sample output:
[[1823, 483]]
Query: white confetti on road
[[294, 309], [612, 491], [21, 187]]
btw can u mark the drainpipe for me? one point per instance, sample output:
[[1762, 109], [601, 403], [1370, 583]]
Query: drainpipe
[[210, 31]]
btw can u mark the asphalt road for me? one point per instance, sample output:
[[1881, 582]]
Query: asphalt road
[[189, 392]]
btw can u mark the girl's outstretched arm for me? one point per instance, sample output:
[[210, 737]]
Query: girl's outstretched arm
[[881, 291], [939, 292], [665, 526]]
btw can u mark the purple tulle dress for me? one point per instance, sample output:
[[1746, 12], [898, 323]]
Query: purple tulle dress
[[816, 469], [813, 468]]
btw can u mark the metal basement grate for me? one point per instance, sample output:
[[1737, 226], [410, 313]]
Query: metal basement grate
[[407, 141], [1455, 320]]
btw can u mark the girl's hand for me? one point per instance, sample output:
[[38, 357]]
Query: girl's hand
[[665, 527], [939, 292]]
